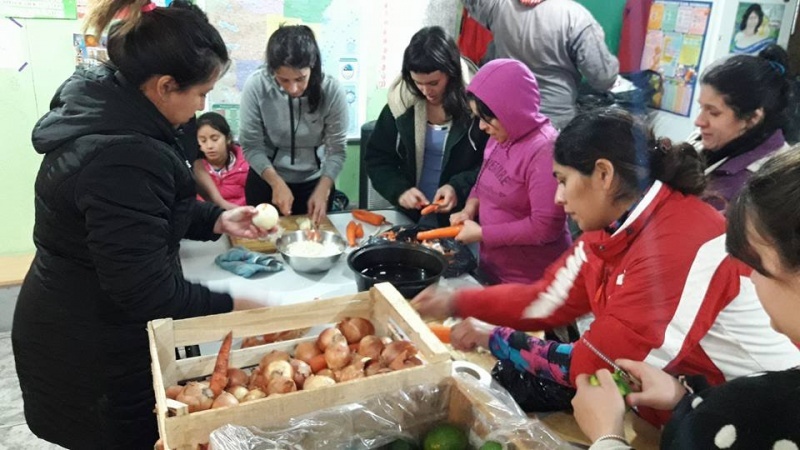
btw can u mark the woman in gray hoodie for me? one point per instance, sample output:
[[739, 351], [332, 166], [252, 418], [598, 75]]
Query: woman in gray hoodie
[[293, 127]]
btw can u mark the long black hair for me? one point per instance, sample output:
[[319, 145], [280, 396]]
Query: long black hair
[[754, 8], [747, 83], [631, 147], [295, 46], [177, 41], [431, 49]]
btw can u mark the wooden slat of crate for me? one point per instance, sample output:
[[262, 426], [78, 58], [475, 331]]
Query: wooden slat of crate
[[382, 304]]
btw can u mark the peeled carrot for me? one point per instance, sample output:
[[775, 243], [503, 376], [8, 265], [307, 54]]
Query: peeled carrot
[[359, 230], [352, 233], [439, 233], [442, 332], [368, 217], [431, 208], [219, 379]]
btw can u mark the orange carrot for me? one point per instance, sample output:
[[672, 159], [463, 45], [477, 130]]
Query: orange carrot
[[442, 332], [219, 379], [318, 363], [368, 216], [439, 233], [352, 233], [359, 230], [432, 207]]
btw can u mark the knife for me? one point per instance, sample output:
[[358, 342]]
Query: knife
[[628, 378]]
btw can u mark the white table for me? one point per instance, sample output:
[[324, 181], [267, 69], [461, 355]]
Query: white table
[[287, 286]]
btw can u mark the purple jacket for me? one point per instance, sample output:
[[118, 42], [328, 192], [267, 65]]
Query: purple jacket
[[725, 180], [523, 229]]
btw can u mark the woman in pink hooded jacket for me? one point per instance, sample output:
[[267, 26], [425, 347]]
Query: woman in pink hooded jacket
[[521, 229]]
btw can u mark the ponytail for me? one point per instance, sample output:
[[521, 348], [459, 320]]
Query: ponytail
[[177, 41], [631, 147]]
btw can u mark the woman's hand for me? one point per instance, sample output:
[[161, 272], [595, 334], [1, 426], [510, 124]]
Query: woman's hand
[[470, 233], [471, 333], [446, 198], [318, 202], [282, 197], [435, 303], [599, 410], [412, 199], [238, 222], [660, 390]]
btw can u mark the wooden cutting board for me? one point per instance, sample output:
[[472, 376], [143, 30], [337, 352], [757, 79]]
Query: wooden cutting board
[[287, 224]]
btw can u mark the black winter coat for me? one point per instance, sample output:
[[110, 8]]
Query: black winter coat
[[114, 197]]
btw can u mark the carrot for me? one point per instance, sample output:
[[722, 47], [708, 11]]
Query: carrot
[[442, 332], [439, 233], [431, 208], [219, 379], [368, 216], [359, 230], [352, 233], [317, 362]]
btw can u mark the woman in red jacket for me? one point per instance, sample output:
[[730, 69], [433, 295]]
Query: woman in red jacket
[[651, 266]]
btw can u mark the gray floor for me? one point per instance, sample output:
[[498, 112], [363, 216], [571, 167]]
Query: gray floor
[[14, 433]]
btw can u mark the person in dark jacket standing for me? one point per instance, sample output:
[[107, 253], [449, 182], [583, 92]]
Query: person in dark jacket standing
[[426, 147], [114, 197]]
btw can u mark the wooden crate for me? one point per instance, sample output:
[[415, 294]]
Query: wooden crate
[[382, 304]]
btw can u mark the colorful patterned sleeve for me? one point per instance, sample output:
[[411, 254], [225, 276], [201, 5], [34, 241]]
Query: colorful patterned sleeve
[[542, 358]]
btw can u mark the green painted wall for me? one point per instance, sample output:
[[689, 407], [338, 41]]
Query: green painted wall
[[609, 14]]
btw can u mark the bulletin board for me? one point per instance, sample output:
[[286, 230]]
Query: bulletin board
[[676, 33]]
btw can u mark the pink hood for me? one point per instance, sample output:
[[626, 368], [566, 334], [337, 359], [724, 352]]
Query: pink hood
[[510, 90]]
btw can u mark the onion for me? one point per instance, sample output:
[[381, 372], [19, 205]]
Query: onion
[[318, 381], [281, 385], [256, 378], [325, 373], [237, 377], [275, 355], [254, 394], [225, 399], [372, 367], [252, 341], [392, 350], [196, 396], [337, 354], [355, 328], [325, 338], [301, 372], [266, 217], [279, 369], [397, 364], [240, 392], [351, 372], [173, 391], [412, 362], [306, 350], [370, 346]]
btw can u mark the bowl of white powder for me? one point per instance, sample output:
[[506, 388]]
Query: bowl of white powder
[[311, 250]]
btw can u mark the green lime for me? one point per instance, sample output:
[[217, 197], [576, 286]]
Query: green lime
[[491, 445], [402, 444], [445, 437], [622, 385]]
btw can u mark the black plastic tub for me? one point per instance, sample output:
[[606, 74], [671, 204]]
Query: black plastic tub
[[409, 267]]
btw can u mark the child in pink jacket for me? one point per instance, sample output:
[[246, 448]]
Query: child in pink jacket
[[521, 229], [222, 159]]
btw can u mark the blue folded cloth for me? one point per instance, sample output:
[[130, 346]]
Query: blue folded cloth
[[246, 263]]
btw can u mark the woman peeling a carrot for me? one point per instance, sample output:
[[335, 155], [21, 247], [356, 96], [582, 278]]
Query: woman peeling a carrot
[[521, 230]]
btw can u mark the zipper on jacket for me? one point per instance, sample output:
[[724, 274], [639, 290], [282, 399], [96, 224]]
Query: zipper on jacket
[[291, 124]]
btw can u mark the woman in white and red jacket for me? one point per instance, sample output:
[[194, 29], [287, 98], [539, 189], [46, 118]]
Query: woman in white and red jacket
[[651, 266]]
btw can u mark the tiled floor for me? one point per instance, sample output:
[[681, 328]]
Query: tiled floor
[[14, 433]]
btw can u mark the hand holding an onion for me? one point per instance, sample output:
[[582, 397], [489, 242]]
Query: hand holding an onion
[[238, 222], [434, 303]]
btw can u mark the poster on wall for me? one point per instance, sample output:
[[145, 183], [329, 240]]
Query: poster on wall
[[673, 47], [757, 26], [39, 9], [88, 50]]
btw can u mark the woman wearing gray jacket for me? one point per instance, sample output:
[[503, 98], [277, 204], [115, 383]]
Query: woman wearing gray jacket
[[293, 127]]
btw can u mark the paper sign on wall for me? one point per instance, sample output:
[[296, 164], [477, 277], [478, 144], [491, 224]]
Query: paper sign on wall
[[39, 9]]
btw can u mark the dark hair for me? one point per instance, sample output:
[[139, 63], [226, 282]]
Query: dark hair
[[177, 41], [748, 83], [295, 46], [768, 203], [754, 8], [431, 49], [637, 156], [484, 112], [217, 121]]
